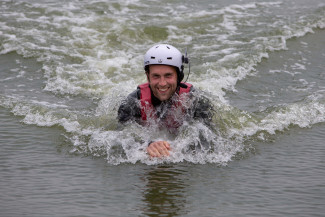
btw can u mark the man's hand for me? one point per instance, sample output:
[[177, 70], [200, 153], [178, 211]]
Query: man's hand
[[159, 149]]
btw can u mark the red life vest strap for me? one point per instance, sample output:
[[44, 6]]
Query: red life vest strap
[[147, 108]]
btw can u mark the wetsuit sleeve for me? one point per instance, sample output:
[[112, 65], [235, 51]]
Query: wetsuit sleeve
[[130, 108], [203, 108]]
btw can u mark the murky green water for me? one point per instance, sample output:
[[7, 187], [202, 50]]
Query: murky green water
[[66, 66]]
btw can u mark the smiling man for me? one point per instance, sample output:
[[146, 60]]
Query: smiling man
[[164, 100], [162, 80]]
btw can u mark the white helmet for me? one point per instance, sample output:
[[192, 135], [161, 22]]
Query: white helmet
[[164, 54]]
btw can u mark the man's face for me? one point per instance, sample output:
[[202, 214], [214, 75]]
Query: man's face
[[162, 80]]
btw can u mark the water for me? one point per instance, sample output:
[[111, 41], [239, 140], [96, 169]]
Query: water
[[66, 66]]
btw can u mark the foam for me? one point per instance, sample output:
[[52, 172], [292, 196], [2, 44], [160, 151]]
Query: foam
[[300, 114], [94, 50]]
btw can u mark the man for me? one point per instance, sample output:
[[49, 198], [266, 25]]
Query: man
[[164, 100]]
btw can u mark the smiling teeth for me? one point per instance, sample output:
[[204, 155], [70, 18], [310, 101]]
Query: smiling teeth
[[163, 89]]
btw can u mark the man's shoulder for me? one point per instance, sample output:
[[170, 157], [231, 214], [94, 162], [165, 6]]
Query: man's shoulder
[[130, 108], [134, 95], [132, 99]]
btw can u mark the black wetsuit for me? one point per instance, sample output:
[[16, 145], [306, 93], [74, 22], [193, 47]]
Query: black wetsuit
[[130, 109]]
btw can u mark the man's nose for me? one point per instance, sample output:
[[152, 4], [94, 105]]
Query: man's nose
[[162, 81]]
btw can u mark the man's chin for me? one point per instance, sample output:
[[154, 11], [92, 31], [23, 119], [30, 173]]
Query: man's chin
[[163, 97]]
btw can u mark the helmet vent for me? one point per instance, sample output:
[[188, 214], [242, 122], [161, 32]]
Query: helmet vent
[[169, 58], [168, 47], [153, 57]]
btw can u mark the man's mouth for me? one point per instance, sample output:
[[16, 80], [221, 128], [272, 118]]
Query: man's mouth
[[162, 89]]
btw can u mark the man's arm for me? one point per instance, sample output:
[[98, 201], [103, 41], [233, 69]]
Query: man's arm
[[130, 108]]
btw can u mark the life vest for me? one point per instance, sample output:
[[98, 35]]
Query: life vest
[[148, 111]]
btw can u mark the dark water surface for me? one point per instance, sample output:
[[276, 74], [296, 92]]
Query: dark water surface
[[40, 178]]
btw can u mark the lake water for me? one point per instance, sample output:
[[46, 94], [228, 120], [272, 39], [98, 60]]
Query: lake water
[[65, 67]]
